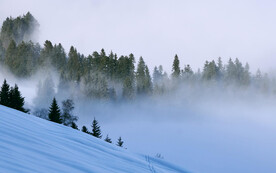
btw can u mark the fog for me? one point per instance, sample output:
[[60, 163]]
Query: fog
[[203, 128]]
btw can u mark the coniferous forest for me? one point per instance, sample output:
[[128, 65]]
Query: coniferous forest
[[112, 77]]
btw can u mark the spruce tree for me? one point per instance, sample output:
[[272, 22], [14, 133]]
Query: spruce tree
[[141, 76], [120, 142], [74, 126], [67, 116], [107, 139], [96, 131], [4, 94], [128, 89], [85, 130], [54, 112], [16, 100], [175, 68]]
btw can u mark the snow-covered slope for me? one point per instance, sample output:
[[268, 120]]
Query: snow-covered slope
[[31, 144]]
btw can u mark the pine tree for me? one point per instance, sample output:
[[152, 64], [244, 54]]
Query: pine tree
[[107, 139], [176, 68], [67, 116], [148, 82], [74, 65], [96, 131], [54, 112], [11, 53], [128, 89], [16, 100], [74, 126], [4, 94], [120, 142], [85, 130], [144, 84]]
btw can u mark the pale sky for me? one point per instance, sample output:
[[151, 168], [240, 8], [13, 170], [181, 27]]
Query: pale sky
[[196, 30]]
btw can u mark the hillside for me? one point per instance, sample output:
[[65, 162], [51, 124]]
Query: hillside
[[31, 144]]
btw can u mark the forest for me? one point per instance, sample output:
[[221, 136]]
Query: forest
[[111, 77]]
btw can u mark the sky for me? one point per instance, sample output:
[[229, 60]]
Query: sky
[[157, 30]]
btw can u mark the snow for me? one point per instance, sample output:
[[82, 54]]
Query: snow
[[31, 144]]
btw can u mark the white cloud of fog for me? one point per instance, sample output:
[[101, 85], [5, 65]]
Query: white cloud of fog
[[156, 30]]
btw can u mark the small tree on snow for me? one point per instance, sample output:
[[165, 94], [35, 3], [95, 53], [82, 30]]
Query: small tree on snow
[[16, 100], [96, 131], [85, 130], [74, 126], [120, 142], [67, 112], [54, 112], [107, 139], [4, 94]]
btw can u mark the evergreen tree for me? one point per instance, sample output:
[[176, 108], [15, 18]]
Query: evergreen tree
[[107, 139], [176, 67], [54, 112], [74, 126], [140, 76], [96, 131], [18, 29], [74, 65], [5, 94], [128, 89], [16, 100], [67, 116], [46, 53], [2, 52], [144, 84], [120, 142], [210, 71], [148, 82], [221, 69], [85, 130], [11, 55]]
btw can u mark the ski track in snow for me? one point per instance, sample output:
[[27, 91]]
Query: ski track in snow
[[30, 144]]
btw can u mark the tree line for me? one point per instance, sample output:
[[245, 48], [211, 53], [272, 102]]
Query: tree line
[[107, 76]]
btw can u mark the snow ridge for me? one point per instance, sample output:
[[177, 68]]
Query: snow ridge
[[30, 144]]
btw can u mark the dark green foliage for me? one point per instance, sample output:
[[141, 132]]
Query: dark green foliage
[[96, 131], [109, 77], [143, 78], [120, 142], [12, 97], [128, 89], [74, 65], [53, 56], [54, 112], [107, 139], [18, 29], [2, 52], [210, 71], [22, 59], [85, 130], [5, 94], [74, 126], [175, 67], [16, 100]]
